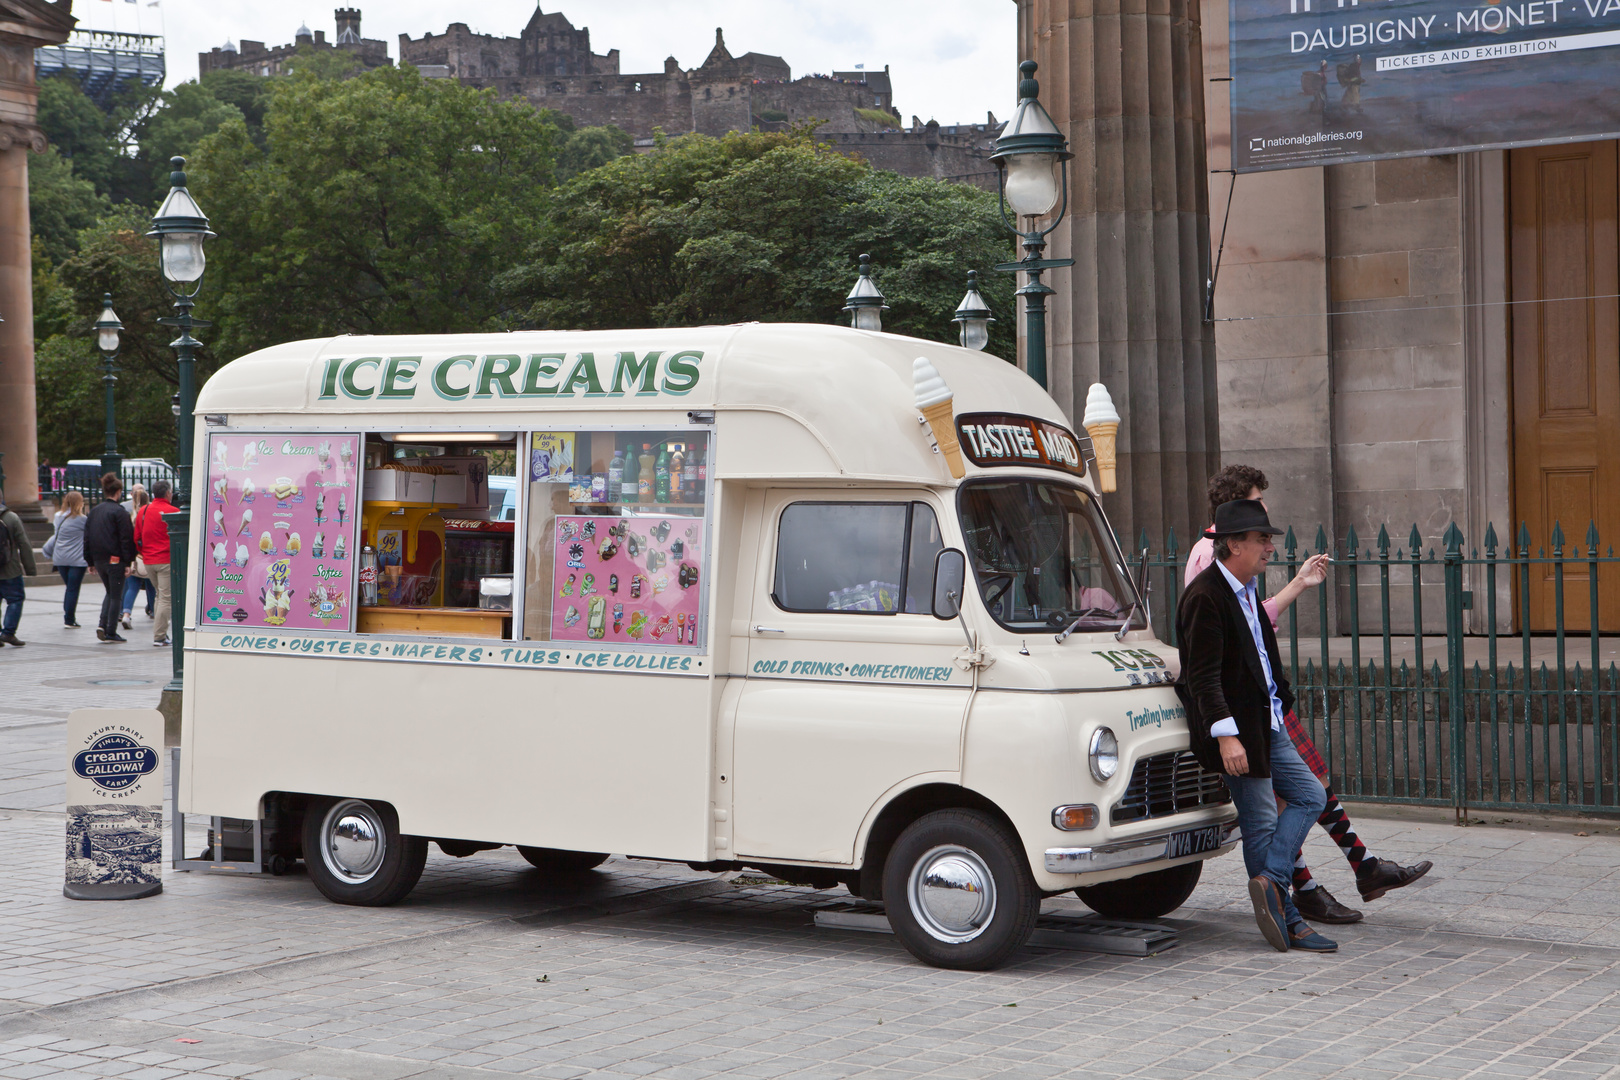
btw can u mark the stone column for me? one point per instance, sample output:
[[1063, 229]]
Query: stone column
[[1123, 79], [17, 422]]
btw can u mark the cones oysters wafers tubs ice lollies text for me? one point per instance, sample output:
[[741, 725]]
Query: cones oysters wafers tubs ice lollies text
[[934, 400], [1101, 422]]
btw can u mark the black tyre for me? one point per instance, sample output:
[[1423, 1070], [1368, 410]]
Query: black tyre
[[958, 890], [356, 854], [1146, 897], [556, 861]]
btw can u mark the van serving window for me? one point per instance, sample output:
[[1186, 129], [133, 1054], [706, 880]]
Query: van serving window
[[869, 558]]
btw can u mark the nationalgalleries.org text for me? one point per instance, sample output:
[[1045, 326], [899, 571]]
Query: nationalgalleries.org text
[[1306, 140]]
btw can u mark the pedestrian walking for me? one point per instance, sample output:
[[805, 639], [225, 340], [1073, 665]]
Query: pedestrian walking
[[65, 549], [16, 559], [1235, 695], [109, 546], [136, 582], [1374, 876], [152, 541]]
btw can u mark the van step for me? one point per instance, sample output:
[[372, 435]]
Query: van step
[[1055, 930]]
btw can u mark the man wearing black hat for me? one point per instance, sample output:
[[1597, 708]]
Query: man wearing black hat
[[1235, 694]]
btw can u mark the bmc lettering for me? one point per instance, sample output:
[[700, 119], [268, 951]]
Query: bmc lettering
[[473, 377]]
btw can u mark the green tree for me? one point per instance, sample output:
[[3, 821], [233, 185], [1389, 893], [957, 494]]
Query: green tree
[[190, 113], [248, 92], [113, 256], [759, 226], [98, 142], [384, 203], [60, 204]]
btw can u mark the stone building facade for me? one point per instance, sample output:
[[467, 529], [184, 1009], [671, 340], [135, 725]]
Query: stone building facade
[[25, 25], [551, 65], [254, 57], [1391, 342]]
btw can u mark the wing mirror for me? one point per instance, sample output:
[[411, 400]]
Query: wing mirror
[[950, 578]]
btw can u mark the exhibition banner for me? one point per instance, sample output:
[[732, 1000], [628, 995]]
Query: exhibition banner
[[1318, 82]]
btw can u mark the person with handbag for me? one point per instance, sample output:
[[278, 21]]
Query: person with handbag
[[152, 541], [135, 579], [109, 546], [65, 549]]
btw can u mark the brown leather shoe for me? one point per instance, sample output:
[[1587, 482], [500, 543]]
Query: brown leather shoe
[[1318, 905], [12, 639], [1386, 874]]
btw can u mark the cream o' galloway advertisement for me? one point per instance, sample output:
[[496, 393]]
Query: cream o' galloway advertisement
[[1317, 82], [114, 804]]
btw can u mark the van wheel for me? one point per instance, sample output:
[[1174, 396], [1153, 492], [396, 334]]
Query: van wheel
[[1148, 896], [356, 854], [958, 890], [557, 861]]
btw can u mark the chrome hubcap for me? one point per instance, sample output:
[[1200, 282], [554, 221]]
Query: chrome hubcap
[[952, 893], [352, 841]]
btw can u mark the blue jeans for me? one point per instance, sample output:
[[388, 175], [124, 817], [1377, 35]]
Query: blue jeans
[[132, 588], [11, 590], [1272, 839], [72, 577]]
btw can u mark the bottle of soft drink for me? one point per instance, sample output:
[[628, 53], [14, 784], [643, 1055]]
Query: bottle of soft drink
[[677, 473], [615, 484], [691, 484], [661, 475], [644, 478]]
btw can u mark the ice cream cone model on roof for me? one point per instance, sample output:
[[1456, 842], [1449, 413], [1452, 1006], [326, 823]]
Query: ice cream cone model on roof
[[1102, 424], [934, 401]]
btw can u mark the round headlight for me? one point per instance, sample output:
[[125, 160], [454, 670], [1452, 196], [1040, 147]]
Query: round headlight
[[1104, 754]]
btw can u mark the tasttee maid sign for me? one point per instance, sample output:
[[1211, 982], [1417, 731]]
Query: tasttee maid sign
[[114, 804], [1315, 82]]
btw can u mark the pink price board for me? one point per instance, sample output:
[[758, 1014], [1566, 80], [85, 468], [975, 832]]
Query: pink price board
[[627, 580], [279, 536]]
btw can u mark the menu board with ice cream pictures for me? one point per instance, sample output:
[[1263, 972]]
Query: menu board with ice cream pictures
[[629, 580], [279, 539]]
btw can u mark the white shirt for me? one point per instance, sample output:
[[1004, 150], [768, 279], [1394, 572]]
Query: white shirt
[[1248, 599]]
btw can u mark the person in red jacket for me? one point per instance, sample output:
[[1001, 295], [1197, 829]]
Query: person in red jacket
[[152, 539]]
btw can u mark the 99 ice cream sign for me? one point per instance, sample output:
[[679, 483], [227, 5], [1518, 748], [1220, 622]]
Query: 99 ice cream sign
[[992, 440]]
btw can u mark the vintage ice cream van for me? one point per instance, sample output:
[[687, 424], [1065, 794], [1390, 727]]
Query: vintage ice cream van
[[838, 605]]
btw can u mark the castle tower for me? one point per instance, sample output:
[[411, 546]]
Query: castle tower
[[348, 26], [1125, 86]]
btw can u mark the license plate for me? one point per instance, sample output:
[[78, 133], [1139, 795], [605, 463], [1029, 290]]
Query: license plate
[[1193, 842]]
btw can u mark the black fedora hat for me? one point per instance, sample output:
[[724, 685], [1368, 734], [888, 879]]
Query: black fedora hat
[[1241, 516]]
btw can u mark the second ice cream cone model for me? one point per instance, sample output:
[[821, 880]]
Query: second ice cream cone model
[[934, 401], [1102, 424]]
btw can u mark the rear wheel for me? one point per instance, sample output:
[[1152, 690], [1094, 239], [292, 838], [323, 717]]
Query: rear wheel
[[356, 854], [1146, 897], [557, 861], [958, 890]]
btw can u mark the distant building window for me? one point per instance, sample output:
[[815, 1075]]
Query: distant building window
[[557, 88], [708, 93]]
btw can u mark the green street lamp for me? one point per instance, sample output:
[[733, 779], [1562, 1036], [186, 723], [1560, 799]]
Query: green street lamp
[[107, 328], [864, 302], [1032, 170], [973, 316], [180, 228]]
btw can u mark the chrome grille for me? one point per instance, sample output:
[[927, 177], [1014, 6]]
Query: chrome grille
[[1167, 784]]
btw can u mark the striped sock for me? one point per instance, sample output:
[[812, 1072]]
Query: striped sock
[[1337, 824], [1303, 882]]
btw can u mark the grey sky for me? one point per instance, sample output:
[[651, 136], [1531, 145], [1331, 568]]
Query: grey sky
[[951, 60]]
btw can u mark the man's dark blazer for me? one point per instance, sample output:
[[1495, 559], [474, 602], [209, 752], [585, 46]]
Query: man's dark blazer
[[1221, 674]]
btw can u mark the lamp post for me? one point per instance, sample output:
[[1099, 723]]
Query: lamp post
[[973, 316], [180, 228], [107, 328], [1032, 171], [864, 302]]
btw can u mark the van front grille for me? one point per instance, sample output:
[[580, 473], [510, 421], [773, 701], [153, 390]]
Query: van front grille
[[1167, 784]]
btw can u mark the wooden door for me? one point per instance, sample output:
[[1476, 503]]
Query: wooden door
[[1565, 253]]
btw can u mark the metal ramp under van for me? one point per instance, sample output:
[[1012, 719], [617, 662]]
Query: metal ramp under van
[[1054, 930]]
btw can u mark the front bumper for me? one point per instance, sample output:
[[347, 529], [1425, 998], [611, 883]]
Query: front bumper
[[1141, 849]]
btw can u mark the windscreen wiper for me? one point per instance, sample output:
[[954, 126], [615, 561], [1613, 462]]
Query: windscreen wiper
[[1061, 637]]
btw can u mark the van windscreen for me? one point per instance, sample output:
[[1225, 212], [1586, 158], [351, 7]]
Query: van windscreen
[[1040, 555]]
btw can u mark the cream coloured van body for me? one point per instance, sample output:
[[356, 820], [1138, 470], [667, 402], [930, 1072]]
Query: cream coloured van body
[[957, 768]]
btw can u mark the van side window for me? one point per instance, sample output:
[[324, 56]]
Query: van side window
[[864, 557]]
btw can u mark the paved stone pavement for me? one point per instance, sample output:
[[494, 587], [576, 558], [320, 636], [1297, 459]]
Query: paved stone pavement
[[1504, 963]]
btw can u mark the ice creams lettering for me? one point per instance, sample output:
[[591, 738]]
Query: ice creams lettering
[[934, 401], [1101, 422]]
